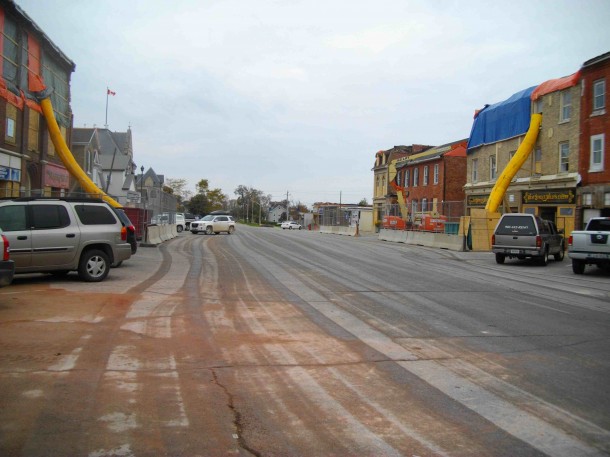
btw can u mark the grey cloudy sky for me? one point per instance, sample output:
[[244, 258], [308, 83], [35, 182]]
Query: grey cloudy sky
[[298, 95]]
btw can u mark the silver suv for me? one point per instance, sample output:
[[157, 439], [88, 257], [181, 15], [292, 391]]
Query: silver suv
[[49, 235], [214, 224], [523, 235]]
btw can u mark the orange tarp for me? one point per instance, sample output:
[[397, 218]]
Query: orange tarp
[[553, 85]]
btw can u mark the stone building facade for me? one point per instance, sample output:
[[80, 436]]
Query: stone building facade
[[546, 183]]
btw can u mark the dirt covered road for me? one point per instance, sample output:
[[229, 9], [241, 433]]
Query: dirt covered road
[[248, 345]]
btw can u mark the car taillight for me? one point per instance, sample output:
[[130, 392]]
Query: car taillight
[[5, 248], [493, 239], [570, 240], [124, 233], [538, 241]]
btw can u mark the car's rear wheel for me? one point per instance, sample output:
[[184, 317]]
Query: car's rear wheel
[[578, 266], [209, 230], [179, 228], [93, 266], [231, 230], [544, 258], [559, 256], [500, 258]]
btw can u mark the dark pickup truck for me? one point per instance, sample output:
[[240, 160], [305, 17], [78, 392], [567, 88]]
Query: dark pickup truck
[[523, 235]]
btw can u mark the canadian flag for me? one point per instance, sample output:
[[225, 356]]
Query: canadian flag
[[110, 92]]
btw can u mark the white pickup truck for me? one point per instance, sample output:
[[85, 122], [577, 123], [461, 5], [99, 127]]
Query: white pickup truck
[[590, 246]]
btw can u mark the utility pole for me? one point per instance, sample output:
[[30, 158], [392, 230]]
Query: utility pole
[[287, 207]]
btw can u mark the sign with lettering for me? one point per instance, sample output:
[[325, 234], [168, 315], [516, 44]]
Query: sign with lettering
[[57, 177], [10, 174], [561, 196], [477, 200]]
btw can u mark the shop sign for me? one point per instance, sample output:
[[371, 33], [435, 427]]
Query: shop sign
[[477, 200], [57, 177], [562, 196], [10, 174]]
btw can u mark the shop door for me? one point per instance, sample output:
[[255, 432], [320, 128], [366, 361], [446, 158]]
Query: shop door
[[548, 213]]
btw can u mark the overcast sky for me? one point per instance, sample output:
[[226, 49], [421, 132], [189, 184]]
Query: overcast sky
[[298, 96]]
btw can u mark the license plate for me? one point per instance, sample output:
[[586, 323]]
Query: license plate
[[515, 251]]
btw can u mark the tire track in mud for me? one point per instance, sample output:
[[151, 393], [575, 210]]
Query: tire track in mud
[[66, 416], [368, 421]]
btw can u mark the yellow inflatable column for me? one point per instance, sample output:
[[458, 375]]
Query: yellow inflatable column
[[497, 193]]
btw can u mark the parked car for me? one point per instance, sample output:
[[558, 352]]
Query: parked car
[[7, 266], [523, 235], [290, 225], [590, 246], [214, 224], [131, 229], [180, 222], [188, 218], [59, 235]]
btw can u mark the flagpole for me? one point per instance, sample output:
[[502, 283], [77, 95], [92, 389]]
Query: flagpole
[[107, 92]]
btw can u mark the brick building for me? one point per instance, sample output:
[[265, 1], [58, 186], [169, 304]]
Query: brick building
[[384, 194], [432, 179], [594, 164], [28, 161]]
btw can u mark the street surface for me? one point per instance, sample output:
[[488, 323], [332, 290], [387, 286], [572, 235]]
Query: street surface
[[295, 343]]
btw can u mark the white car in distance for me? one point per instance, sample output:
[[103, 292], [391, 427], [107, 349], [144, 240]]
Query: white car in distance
[[291, 225]]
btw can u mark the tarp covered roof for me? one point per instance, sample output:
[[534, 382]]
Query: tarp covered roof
[[553, 85], [503, 120]]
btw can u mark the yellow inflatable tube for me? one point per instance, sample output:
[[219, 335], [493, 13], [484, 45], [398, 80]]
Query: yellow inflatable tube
[[399, 191], [524, 150], [66, 156]]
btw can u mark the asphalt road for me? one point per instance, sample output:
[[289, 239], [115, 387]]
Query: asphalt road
[[295, 343]]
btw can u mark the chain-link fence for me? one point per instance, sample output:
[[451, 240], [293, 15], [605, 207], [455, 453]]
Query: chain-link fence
[[451, 210]]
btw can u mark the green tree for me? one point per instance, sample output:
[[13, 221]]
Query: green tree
[[251, 203], [206, 200], [363, 202]]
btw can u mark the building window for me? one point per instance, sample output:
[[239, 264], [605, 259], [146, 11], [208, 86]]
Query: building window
[[597, 153], [436, 173], [599, 95], [475, 170], [10, 50], [492, 167], [407, 177], [564, 157], [424, 204], [88, 167], [565, 108], [398, 178], [607, 199], [415, 177], [426, 175], [586, 199], [10, 135]]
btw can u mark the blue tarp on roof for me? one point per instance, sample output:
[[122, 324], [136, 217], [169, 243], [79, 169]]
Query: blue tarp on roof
[[502, 120]]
